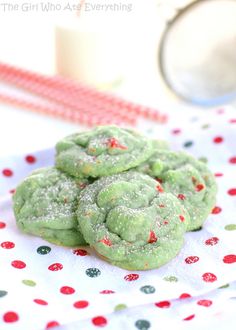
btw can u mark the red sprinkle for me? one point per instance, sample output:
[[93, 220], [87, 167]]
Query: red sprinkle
[[159, 188], [113, 143], [216, 210], [165, 222], [106, 241], [152, 237], [182, 218], [181, 196], [161, 205], [199, 187]]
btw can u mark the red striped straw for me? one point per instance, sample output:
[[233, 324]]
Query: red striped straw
[[57, 95], [73, 95], [57, 111]]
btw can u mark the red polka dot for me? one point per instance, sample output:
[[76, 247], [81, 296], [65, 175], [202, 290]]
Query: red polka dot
[[212, 241], [107, 291], [80, 252], [52, 324], [40, 302], [67, 290], [232, 121], [99, 321], [191, 259], [216, 210], [218, 139], [18, 264], [81, 304], [176, 131], [189, 318], [131, 277], [55, 267], [7, 172], [232, 160], [30, 159], [2, 225], [218, 174], [205, 303], [12, 191], [10, 317], [7, 245], [163, 304], [185, 295], [209, 277], [232, 192], [229, 259]]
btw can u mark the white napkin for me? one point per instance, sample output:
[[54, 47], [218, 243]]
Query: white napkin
[[66, 285]]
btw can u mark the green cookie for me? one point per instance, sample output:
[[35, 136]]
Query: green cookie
[[130, 222], [102, 151], [188, 179], [45, 205]]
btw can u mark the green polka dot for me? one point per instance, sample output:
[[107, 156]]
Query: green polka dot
[[29, 282], [142, 324], [170, 279], [205, 126], [3, 293], [188, 144], [43, 249], [224, 286], [231, 226], [120, 307], [147, 289], [93, 272]]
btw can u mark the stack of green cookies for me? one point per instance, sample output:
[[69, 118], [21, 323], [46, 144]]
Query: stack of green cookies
[[130, 198]]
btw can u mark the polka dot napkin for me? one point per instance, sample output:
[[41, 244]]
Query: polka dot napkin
[[43, 285]]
